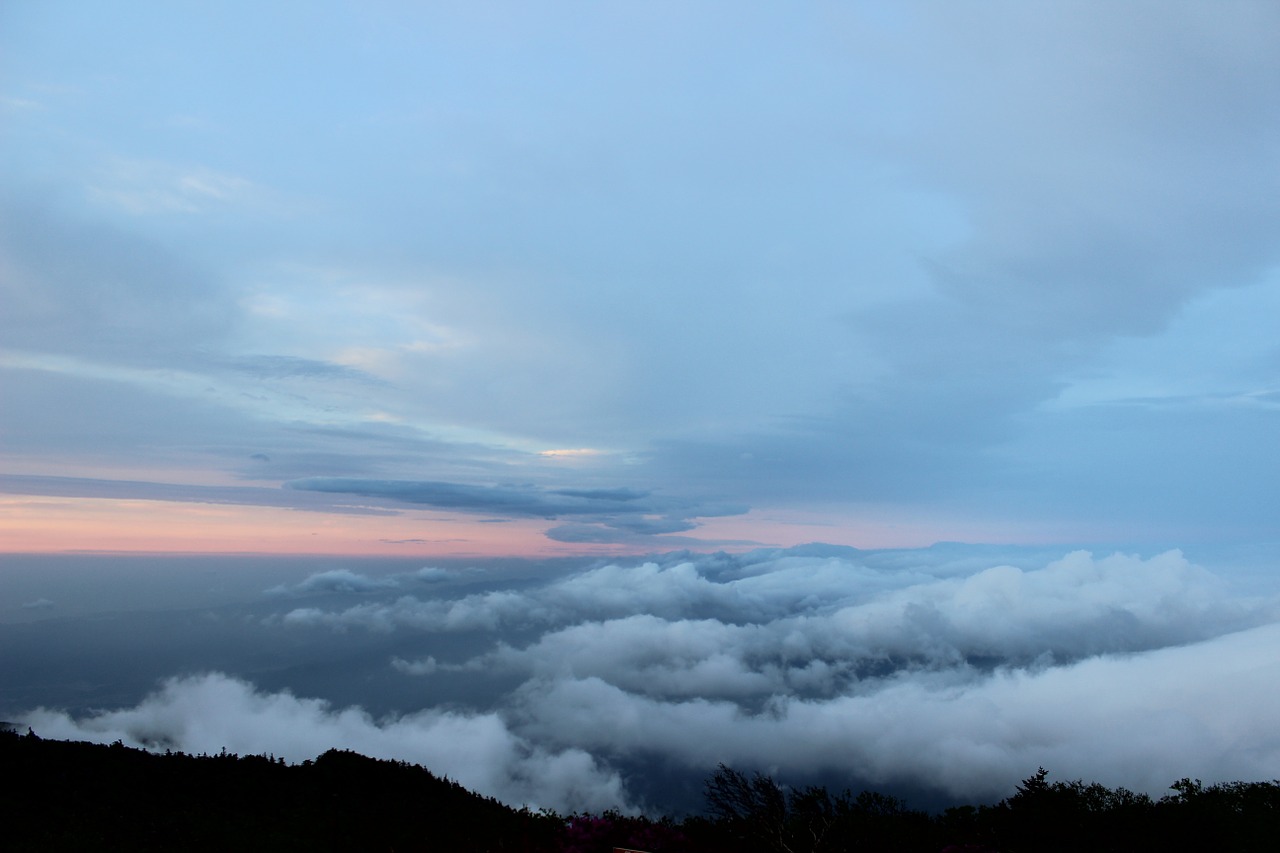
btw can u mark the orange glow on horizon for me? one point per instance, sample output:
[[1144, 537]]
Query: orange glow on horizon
[[31, 524], [54, 525]]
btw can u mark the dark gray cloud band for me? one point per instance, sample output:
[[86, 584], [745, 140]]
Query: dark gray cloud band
[[89, 487], [600, 515]]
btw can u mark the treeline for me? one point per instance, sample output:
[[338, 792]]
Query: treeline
[[58, 795], [760, 815]]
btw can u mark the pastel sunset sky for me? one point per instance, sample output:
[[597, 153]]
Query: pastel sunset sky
[[573, 396], [477, 278]]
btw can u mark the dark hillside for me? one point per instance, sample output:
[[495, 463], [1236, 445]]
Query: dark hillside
[[58, 795]]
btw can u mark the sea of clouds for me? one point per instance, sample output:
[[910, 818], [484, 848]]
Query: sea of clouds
[[953, 673]]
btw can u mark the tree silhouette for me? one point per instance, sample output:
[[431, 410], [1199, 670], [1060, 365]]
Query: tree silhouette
[[63, 796]]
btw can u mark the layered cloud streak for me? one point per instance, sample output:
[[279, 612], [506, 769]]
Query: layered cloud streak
[[601, 514]]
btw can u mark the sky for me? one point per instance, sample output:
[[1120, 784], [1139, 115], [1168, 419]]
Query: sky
[[388, 277], [601, 287]]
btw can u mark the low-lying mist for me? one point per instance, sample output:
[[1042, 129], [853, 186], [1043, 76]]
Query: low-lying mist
[[949, 672]]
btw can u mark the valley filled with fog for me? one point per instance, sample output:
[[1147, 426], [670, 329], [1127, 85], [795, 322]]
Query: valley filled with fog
[[943, 674]]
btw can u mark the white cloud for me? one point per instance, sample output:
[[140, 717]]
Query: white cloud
[[940, 668], [347, 581], [1074, 606], [609, 589], [1142, 721], [959, 675], [210, 712], [336, 580]]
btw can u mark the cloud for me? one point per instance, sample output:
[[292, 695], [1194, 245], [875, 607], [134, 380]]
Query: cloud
[[950, 669], [852, 609], [944, 189], [672, 590], [76, 286], [618, 515], [426, 666], [153, 188], [514, 500], [338, 580], [294, 367], [1084, 200], [207, 713], [644, 533], [1141, 721], [936, 669], [347, 581], [87, 487]]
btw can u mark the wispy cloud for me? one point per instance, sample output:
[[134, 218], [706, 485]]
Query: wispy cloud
[[149, 188]]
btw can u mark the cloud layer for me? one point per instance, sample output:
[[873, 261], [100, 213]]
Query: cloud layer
[[923, 670], [211, 712]]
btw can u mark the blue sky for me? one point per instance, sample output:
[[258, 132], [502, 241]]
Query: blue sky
[[505, 278]]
